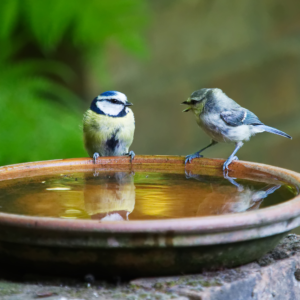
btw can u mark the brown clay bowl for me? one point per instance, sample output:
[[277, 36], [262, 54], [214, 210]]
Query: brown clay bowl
[[143, 248]]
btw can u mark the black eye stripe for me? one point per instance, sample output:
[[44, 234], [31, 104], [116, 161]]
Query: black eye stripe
[[114, 101]]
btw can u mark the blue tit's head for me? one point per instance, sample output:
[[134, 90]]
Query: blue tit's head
[[111, 103]]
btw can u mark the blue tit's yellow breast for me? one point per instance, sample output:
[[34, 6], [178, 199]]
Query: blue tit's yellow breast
[[98, 129]]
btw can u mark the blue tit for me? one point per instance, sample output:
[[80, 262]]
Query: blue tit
[[110, 198], [224, 121], [108, 126]]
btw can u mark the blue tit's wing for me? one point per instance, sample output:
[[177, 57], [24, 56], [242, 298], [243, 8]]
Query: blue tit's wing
[[239, 116]]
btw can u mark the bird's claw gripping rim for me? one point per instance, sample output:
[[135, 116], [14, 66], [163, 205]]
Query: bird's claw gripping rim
[[227, 163], [190, 157], [131, 154], [95, 156]]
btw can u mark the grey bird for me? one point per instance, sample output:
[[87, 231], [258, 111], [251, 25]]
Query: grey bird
[[224, 121]]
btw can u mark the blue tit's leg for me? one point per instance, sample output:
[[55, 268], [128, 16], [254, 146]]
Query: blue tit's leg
[[190, 157], [131, 154], [95, 156], [232, 157]]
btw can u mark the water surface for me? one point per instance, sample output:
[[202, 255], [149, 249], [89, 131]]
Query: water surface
[[109, 196]]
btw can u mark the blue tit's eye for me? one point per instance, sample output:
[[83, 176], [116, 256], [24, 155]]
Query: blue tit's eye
[[114, 101], [193, 102]]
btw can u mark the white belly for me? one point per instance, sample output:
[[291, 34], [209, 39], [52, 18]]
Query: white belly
[[220, 132]]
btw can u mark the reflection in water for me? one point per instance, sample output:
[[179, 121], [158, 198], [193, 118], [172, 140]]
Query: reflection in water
[[110, 197], [238, 200]]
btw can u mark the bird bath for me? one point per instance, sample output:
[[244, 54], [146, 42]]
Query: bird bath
[[151, 217]]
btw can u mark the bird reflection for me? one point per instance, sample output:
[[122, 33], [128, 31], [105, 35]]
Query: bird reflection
[[231, 199], [110, 196]]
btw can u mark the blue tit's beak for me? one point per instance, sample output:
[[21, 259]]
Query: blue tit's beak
[[186, 103], [128, 103]]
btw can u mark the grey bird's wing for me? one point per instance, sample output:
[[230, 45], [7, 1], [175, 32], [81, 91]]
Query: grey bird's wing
[[239, 116]]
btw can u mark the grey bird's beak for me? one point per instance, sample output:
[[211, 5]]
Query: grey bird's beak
[[186, 103], [128, 103]]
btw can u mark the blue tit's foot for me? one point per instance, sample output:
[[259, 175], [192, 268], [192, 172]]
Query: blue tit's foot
[[190, 157], [228, 162], [131, 154], [188, 174], [95, 156]]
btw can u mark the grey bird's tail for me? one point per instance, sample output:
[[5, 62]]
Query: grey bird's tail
[[273, 130]]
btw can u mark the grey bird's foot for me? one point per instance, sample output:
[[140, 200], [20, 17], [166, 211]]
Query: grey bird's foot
[[95, 156], [228, 162], [190, 157], [240, 187], [131, 154]]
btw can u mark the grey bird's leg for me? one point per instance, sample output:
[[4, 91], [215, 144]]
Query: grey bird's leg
[[131, 154], [232, 157], [190, 157], [95, 156], [240, 187]]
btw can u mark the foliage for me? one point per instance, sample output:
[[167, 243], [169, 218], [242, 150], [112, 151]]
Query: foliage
[[40, 117]]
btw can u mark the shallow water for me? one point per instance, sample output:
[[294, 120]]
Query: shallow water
[[109, 196]]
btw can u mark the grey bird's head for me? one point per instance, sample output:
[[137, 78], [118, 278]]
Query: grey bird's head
[[197, 100], [111, 103]]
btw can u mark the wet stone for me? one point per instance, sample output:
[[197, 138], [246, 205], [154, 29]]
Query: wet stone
[[297, 274], [265, 260], [279, 254]]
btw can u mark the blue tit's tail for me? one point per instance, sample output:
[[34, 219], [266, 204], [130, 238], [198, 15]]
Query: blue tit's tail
[[273, 130]]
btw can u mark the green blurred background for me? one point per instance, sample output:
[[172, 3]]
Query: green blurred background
[[56, 56]]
